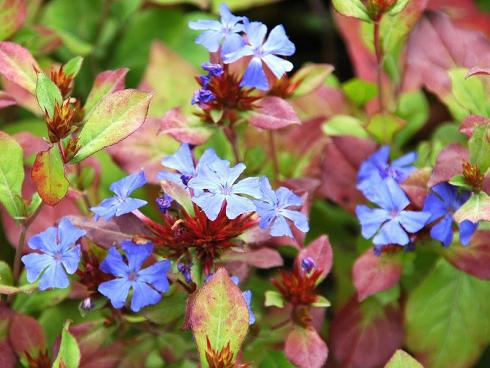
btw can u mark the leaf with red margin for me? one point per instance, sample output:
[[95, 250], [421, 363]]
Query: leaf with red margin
[[6, 100], [12, 16], [478, 70], [471, 122], [220, 313], [23, 97], [323, 102], [183, 128], [437, 45], [474, 258], [320, 251], [338, 169], [48, 175], [260, 258], [449, 163], [105, 83], [144, 149], [310, 77], [114, 231], [402, 359], [365, 335], [26, 335], [305, 348], [415, 186], [273, 113], [372, 274], [18, 66]]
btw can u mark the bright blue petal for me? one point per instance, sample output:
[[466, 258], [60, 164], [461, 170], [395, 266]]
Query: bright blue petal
[[254, 76], [299, 219], [114, 264], [278, 43], [54, 277], [124, 187], [211, 40], [129, 205], [391, 233], [136, 254], [413, 221], [181, 161], [443, 231], [156, 275], [45, 241], [71, 259], [236, 206], [35, 264], [435, 206], [371, 219], [116, 290], [210, 203], [280, 227], [466, 231], [447, 192], [143, 295], [405, 160], [106, 209], [393, 197], [68, 233]]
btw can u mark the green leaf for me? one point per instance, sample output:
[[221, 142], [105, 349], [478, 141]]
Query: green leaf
[[168, 309], [384, 126], [11, 175], [460, 181], [352, 8], [274, 299], [200, 3], [73, 66], [345, 125], [321, 301], [105, 83], [479, 147], [360, 91], [398, 7], [47, 93], [447, 318], [12, 16], [475, 209], [113, 119], [310, 77], [275, 359], [413, 107], [69, 353], [470, 93], [240, 4], [48, 175], [402, 359], [220, 313]]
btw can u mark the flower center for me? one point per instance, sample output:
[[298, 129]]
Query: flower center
[[132, 276], [58, 256]]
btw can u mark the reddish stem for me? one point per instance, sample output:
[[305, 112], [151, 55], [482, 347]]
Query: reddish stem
[[379, 71]]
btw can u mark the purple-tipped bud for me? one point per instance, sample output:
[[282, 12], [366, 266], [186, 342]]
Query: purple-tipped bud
[[87, 304], [307, 264], [204, 80], [164, 202], [185, 270], [214, 70], [185, 179], [202, 96]]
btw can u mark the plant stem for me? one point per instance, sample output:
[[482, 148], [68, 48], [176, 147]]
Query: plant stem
[[231, 135], [273, 153], [379, 71]]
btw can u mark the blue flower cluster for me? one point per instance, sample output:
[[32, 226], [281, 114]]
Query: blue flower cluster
[[214, 183], [379, 180], [263, 53], [204, 95]]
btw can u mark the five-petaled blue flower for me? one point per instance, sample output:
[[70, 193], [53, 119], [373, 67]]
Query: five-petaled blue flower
[[215, 184], [226, 32], [58, 255], [147, 283], [390, 223], [247, 295], [274, 210], [376, 168], [263, 51], [121, 203], [441, 203], [182, 162]]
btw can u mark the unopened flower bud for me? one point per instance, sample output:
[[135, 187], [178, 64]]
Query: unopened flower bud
[[307, 264]]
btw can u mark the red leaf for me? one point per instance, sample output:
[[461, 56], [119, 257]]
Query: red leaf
[[18, 66], [30, 143], [6, 100], [273, 113], [105, 83], [305, 349], [320, 251], [22, 97], [176, 124], [415, 186], [471, 122], [365, 335], [260, 258], [474, 258], [448, 164], [372, 274], [26, 335], [436, 45], [478, 70], [7, 355]]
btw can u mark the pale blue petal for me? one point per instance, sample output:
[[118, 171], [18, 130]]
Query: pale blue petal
[[232, 42], [129, 205], [143, 295], [204, 182], [266, 213], [35, 264], [114, 264], [277, 65], [54, 277], [181, 161], [280, 227], [45, 241], [129, 184], [173, 177], [247, 295], [371, 219], [254, 76], [232, 174], [266, 192], [202, 25], [286, 198], [71, 259], [278, 43], [68, 233], [106, 209], [413, 221], [391, 233], [256, 32], [210, 203], [405, 160], [248, 186], [116, 290], [211, 40], [299, 219], [238, 54], [236, 206], [136, 254]]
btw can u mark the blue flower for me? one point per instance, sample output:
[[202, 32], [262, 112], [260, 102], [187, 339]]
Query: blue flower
[[202, 96], [121, 203], [307, 264], [147, 283], [216, 33], [58, 255], [390, 223], [164, 202], [214, 70], [376, 168], [182, 162], [441, 203], [266, 52], [247, 295], [215, 184], [274, 210]]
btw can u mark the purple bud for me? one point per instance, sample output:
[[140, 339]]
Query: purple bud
[[214, 70], [185, 270], [202, 96], [307, 264], [164, 202], [185, 179], [87, 304], [204, 80]]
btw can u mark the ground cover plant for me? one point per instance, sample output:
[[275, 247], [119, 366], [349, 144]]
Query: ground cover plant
[[253, 183]]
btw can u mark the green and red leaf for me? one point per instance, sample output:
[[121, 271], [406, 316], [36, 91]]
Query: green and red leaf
[[305, 348], [18, 66], [12, 16]]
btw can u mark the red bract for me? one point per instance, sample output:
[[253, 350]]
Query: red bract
[[90, 274], [207, 238], [297, 287]]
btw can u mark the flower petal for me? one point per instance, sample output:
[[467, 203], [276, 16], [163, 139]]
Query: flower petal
[[371, 219], [68, 234], [278, 43], [280, 227], [45, 241], [466, 230], [116, 290], [143, 295], [71, 259], [54, 277], [286, 198], [136, 254], [254, 76], [129, 184], [248, 186], [232, 42], [299, 219], [391, 233], [413, 221], [35, 264], [114, 264], [211, 40], [435, 206], [210, 203], [181, 161], [256, 32], [443, 231], [156, 275], [203, 25], [236, 206], [128, 205]]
